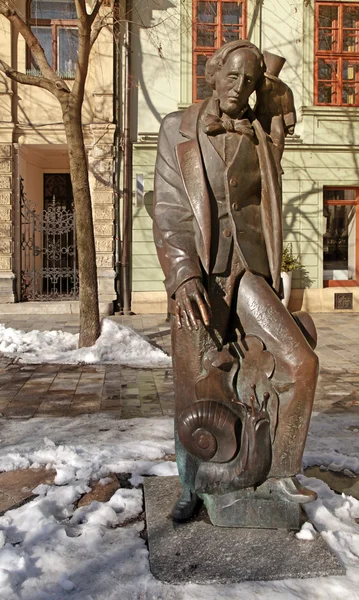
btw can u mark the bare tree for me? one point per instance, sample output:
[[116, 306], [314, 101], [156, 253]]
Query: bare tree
[[71, 100]]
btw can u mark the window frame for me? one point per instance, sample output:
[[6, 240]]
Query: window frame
[[218, 28], [55, 25], [338, 56], [345, 282]]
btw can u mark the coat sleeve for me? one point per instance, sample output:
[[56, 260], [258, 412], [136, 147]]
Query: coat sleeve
[[173, 218]]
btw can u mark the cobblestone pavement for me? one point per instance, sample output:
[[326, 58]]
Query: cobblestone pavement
[[65, 390], [69, 390]]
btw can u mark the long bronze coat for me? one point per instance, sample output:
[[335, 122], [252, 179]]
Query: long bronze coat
[[182, 216]]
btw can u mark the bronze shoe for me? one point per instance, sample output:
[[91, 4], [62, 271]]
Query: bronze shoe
[[293, 491], [186, 507]]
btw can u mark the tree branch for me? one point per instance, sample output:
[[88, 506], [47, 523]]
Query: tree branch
[[81, 10], [42, 82], [89, 29], [99, 23], [83, 50], [95, 10], [33, 43]]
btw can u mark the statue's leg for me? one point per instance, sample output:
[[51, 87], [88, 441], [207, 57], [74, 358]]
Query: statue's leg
[[262, 314], [187, 349]]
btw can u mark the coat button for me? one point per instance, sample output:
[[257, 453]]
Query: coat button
[[227, 233], [235, 206], [233, 182]]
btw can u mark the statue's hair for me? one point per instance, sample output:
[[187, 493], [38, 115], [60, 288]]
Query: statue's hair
[[217, 60]]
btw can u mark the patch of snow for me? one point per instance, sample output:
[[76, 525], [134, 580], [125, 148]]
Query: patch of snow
[[136, 480], [105, 481], [127, 502], [51, 550], [117, 344], [66, 584], [307, 532], [348, 473], [332, 445]]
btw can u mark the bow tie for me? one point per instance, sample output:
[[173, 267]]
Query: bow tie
[[213, 125]]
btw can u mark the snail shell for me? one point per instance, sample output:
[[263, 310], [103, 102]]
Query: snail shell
[[207, 429]]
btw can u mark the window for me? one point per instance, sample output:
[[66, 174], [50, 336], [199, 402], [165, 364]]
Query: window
[[54, 22], [341, 237], [214, 24], [337, 54]]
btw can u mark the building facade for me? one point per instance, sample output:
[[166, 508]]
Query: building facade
[[320, 41], [37, 226], [169, 43]]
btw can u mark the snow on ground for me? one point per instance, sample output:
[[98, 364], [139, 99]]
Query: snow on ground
[[333, 442], [117, 344], [51, 550]]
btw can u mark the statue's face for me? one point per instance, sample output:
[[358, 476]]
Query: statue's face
[[236, 81]]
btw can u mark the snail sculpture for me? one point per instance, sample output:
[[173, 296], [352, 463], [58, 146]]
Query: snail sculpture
[[235, 448]]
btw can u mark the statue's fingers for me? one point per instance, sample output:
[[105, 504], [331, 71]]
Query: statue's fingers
[[202, 309], [185, 317], [178, 316], [207, 300], [190, 314]]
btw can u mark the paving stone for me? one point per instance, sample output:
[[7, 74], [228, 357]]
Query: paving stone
[[53, 411], [338, 388], [110, 405], [17, 486], [339, 482], [100, 493], [197, 552]]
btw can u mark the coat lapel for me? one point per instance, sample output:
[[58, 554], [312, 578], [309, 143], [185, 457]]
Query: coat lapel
[[271, 204], [191, 166]]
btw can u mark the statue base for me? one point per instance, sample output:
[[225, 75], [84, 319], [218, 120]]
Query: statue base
[[197, 552], [263, 507]]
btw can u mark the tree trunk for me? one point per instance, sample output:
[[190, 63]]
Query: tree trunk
[[89, 310]]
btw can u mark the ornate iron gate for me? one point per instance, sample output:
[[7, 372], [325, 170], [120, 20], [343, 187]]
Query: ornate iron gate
[[48, 257]]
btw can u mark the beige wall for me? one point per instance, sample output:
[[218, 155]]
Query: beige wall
[[323, 151], [31, 126]]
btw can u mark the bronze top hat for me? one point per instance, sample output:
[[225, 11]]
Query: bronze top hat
[[274, 63]]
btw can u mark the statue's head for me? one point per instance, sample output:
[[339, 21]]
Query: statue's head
[[234, 72]]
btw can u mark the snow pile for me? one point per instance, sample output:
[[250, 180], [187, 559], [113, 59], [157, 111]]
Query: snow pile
[[89, 447], [117, 344], [333, 442], [307, 532], [334, 516], [50, 549]]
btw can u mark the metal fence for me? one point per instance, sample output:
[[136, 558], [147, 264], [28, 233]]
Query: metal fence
[[48, 256]]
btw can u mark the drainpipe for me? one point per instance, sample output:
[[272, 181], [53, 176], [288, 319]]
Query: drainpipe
[[117, 77], [127, 173]]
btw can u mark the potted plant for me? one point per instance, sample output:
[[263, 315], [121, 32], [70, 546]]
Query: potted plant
[[289, 263]]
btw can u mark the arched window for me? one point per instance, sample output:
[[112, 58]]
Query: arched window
[[54, 23]]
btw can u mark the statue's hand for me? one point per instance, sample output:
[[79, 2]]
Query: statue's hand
[[190, 292]]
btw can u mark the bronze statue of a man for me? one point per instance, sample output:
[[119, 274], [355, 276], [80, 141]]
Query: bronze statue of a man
[[244, 368]]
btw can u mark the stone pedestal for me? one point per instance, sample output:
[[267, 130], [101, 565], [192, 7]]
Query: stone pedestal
[[198, 552]]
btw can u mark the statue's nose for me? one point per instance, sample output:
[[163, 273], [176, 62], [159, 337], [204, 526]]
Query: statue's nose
[[238, 86]]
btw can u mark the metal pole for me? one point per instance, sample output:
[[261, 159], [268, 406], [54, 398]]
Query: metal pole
[[127, 174], [117, 78]]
